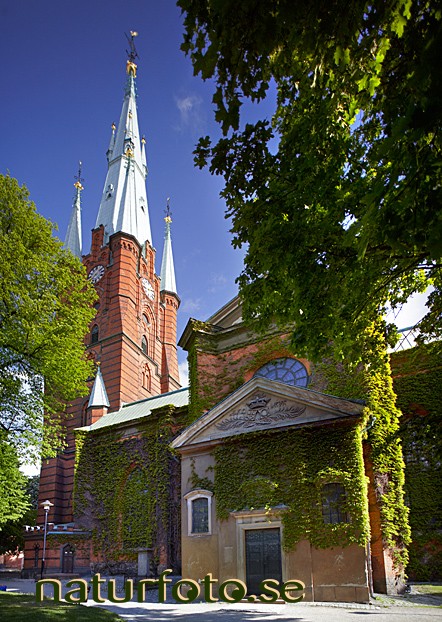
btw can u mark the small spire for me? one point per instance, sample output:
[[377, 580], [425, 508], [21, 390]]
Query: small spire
[[73, 240], [98, 397], [168, 282]]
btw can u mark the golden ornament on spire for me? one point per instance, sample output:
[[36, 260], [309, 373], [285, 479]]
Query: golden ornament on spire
[[131, 68]]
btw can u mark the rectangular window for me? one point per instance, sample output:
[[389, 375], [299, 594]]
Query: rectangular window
[[333, 504]]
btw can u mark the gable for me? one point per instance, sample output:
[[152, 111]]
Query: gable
[[263, 404]]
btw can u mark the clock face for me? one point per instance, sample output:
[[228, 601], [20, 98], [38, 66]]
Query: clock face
[[96, 274], [149, 290]]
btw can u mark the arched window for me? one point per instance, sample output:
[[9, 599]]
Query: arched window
[[199, 512], [94, 334], [289, 371], [144, 344], [145, 374], [333, 498]]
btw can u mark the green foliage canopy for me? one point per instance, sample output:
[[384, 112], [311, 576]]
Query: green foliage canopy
[[13, 498], [12, 531], [338, 196], [45, 308]]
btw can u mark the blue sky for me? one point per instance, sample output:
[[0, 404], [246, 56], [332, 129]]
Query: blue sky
[[62, 70], [63, 75]]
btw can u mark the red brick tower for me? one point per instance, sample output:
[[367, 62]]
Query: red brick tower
[[133, 336]]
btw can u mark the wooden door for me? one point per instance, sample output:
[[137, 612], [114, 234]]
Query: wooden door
[[263, 557], [68, 559]]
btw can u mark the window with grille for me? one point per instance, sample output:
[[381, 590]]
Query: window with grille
[[333, 504]]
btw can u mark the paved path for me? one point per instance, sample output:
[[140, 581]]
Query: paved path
[[202, 612], [392, 610]]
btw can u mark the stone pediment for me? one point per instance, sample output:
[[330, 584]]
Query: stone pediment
[[263, 404]]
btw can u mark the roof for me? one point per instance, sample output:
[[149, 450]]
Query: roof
[[98, 395], [142, 408], [229, 314], [124, 205], [168, 282]]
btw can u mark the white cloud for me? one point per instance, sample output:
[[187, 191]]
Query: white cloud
[[191, 114], [217, 282], [190, 305], [183, 370]]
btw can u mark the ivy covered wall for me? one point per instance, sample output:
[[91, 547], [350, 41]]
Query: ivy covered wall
[[289, 468], [127, 490], [218, 365], [417, 379]]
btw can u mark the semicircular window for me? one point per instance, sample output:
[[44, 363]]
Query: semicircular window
[[289, 371]]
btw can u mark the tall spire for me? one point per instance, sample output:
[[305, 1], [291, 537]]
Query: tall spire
[[124, 204], [73, 240], [168, 283]]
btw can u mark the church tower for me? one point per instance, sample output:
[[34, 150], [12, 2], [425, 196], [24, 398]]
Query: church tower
[[134, 333], [133, 336]]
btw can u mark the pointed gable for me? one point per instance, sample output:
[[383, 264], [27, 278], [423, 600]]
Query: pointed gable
[[263, 404]]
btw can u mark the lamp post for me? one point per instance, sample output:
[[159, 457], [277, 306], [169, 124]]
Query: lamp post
[[46, 506]]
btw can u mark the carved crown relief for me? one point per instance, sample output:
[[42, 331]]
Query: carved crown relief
[[260, 411]]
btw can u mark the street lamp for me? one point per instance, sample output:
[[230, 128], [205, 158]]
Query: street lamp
[[46, 506]]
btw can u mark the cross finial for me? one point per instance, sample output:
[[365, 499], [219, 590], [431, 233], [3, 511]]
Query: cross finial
[[167, 211], [132, 54], [78, 177]]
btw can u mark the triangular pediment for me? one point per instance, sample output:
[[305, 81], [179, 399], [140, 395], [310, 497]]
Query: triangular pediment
[[263, 404]]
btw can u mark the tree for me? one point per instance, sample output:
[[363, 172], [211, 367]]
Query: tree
[[45, 308], [337, 197], [13, 499], [12, 531]]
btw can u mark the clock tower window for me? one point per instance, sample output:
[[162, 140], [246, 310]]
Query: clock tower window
[[144, 344]]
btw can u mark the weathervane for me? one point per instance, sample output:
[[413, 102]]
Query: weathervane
[[133, 54], [168, 212], [78, 177]]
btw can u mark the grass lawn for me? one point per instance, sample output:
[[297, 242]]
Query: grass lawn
[[24, 608], [430, 590]]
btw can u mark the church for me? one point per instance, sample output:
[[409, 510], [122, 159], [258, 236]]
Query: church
[[257, 471]]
